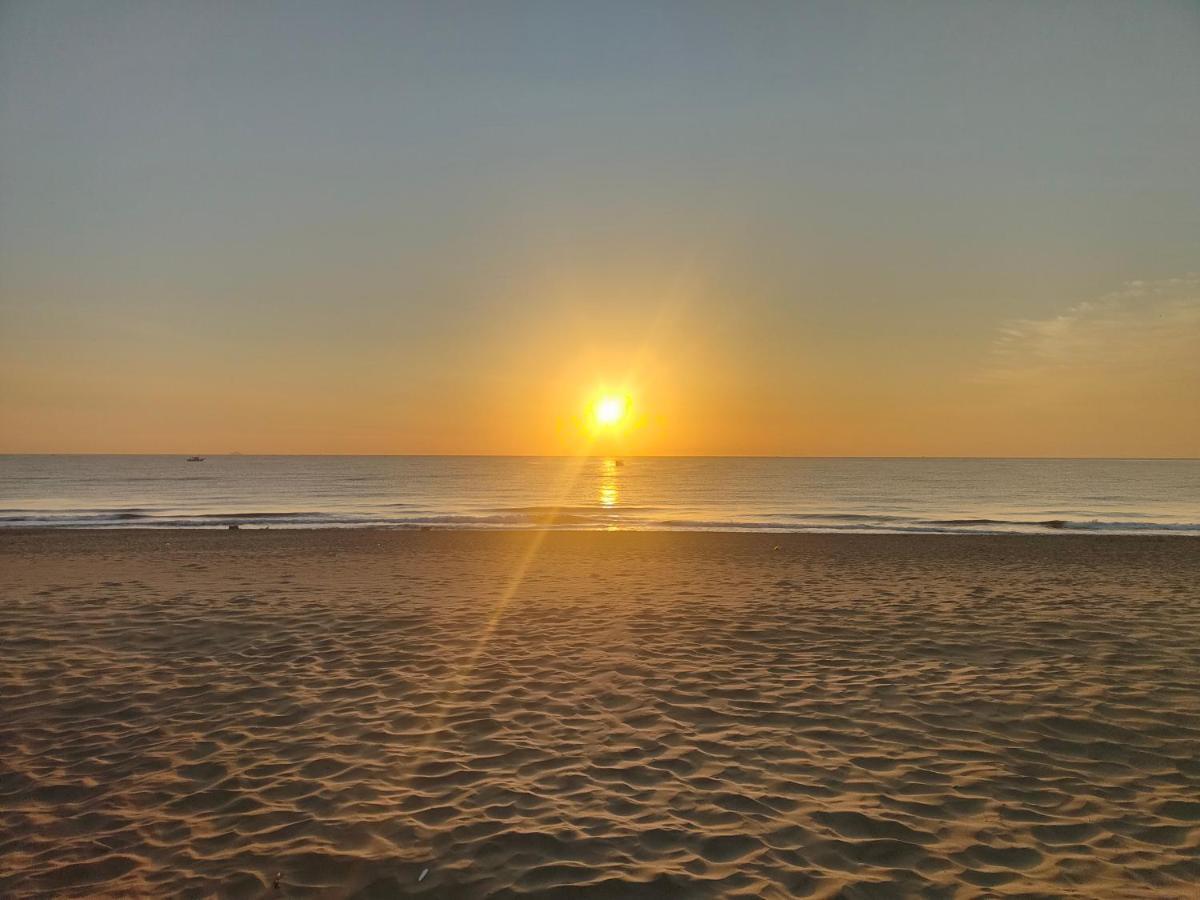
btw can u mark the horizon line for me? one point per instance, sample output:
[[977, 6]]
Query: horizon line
[[601, 455]]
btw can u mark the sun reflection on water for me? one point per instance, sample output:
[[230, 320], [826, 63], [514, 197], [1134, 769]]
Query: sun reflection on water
[[609, 490]]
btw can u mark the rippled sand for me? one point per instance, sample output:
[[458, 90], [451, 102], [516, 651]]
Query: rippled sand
[[628, 715]]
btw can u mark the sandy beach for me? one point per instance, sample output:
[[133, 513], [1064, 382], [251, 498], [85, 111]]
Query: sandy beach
[[443, 714]]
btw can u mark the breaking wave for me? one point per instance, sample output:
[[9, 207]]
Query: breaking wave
[[572, 518]]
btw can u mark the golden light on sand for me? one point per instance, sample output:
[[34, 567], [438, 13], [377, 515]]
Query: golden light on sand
[[611, 410]]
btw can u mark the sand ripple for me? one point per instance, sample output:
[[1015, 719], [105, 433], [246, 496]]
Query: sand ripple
[[650, 716]]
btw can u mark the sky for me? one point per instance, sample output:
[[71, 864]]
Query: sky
[[802, 228]]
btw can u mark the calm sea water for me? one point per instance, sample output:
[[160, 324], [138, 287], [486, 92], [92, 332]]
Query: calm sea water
[[923, 495]]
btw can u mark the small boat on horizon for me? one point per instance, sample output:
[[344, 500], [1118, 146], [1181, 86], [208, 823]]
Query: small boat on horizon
[[195, 459]]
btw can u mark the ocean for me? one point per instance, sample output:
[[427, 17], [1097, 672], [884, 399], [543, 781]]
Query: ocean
[[688, 493]]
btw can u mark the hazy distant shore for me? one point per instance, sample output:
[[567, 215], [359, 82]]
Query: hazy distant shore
[[622, 714]]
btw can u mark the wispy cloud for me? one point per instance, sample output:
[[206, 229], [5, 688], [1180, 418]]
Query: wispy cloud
[[1146, 333]]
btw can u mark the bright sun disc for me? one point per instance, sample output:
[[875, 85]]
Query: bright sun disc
[[611, 410]]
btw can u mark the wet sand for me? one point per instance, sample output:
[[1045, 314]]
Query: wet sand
[[598, 715]]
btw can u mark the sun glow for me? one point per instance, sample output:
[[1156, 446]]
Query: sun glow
[[610, 410]]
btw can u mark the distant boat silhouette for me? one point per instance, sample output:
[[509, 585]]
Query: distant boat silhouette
[[195, 459]]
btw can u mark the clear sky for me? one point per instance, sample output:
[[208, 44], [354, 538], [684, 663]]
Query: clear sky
[[918, 228]]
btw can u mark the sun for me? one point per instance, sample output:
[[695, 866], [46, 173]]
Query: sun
[[610, 410]]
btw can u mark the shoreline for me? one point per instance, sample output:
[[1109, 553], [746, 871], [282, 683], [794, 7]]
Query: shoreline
[[1049, 532]]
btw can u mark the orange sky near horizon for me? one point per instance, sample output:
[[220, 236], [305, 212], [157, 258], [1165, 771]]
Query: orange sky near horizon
[[1114, 379]]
